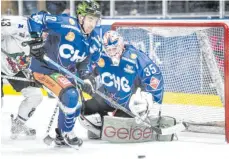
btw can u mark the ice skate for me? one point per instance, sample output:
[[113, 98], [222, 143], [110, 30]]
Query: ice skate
[[59, 140], [71, 139], [67, 139], [18, 128]]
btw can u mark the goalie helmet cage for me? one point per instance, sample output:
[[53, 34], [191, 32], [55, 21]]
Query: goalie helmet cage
[[194, 60]]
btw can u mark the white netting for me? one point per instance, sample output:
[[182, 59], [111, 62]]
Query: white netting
[[192, 62]]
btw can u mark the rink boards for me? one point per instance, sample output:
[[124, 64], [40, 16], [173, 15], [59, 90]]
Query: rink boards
[[169, 98]]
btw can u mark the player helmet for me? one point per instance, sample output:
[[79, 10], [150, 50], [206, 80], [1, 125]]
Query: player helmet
[[88, 15], [88, 7], [113, 45]]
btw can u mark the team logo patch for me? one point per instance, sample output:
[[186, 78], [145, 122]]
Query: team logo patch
[[129, 69], [101, 62], [72, 21], [51, 18], [154, 82], [70, 36], [133, 56], [20, 25]]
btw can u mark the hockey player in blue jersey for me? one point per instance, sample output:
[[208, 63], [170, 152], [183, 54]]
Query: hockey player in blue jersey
[[77, 41], [127, 75]]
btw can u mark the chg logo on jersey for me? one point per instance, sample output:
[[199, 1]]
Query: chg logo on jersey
[[154, 82], [129, 69], [70, 36], [120, 83], [72, 21], [101, 62]]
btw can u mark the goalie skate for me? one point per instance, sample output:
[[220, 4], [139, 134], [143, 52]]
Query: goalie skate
[[18, 128]]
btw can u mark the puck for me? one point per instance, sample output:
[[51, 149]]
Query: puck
[[141, 156]]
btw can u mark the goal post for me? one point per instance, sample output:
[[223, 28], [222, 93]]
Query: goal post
[[194, 60]]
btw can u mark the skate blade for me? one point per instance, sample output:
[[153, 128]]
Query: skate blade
[[22, 137], [14, 136], [61, 146], [48, 140], [76, 147]]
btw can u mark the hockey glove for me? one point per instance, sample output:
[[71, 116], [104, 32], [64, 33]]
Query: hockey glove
[[89, 86], [141, 104], [37, 49]]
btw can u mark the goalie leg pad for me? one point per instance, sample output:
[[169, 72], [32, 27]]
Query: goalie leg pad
[[121, 130], [165, 122], [126, 130]]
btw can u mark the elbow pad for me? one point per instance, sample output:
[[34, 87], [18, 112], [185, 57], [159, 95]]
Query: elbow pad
[[36, 24]]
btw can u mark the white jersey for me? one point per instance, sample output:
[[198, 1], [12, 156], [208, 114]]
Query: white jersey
[[14, 31]]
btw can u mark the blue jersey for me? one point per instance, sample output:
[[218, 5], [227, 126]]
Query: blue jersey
[[73, 46], [120, 82]]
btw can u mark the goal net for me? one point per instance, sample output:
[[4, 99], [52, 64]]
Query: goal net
[[193, 58]]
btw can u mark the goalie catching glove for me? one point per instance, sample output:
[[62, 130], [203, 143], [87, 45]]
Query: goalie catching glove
[[141, 105]]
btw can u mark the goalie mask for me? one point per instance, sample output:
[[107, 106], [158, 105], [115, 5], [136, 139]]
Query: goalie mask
[[89, 15], [113, 45]]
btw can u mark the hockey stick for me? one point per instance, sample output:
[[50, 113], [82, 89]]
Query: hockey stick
[[17, 78], [48, 139], [162, 131]]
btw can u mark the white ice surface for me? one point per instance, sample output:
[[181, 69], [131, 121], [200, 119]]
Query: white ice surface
[[190, 145]]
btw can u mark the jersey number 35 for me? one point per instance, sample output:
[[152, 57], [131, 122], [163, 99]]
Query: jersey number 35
[[149, 70]]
